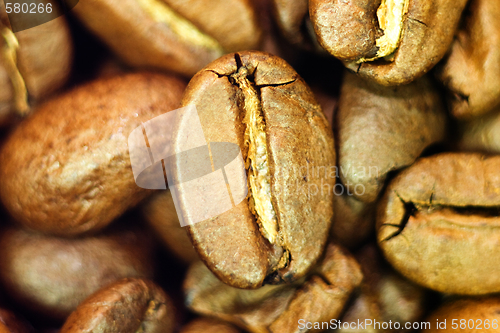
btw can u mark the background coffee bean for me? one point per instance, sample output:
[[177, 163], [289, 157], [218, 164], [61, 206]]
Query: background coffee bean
[[469, 315], [471, 71], [51, 275], [481, 134], [160, 213], [208, 325], [139, 305], [384, 296], [10, 323], [354, 221], [68, 169], [292, 17], [320, 296], [33, 62], [383, 129], [172, 35]]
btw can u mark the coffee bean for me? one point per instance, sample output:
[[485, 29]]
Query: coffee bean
[[161, 215], [66, 170], [33, 63], [480, 314], [10, 323], [51, 275], [208, 325], [292, 17], [354, 221], [437, 223], [390, 42], [471, 71], [319, 297], [275, 235], [173, 35], [127, 306], [382, 129], [481, 134]]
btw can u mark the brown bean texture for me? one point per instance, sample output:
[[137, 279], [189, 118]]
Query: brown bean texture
[[278, 309], [353, 222], [127, 306], [33, 62], [382, 129], [160, 213], [383, 296], [438, 223], [66, 169], [391, 42], [10, 323], [471, 315], [208, 325], [51, 275], [172, 34], [481, 134], [471, 71], [292, 18], [257, 101]]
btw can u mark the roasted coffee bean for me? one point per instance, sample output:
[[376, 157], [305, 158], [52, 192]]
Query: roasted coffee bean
[[471, 71], [174, 35], [33, 62], [384, 296], [292, 17], [353, 221], [391, 42], [66, 169], [161, 215], [467, 315], [383, 129], [10, 323], [208, 325], [51, 276], [278, 309], [127, 306], [481, 134], [258, 102], [438, 223]]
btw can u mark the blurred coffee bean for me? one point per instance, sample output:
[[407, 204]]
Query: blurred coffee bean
[[354, 220], [161, 215], [471, 71], [33, 63], [174, 35], [51, 276], [467, 315], [481, 134], [10, 323], [66, 170], [208, 325], [318, 297], [382, 129], [126, 306]]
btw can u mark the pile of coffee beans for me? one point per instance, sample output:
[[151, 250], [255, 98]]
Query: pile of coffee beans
[[265, 166]]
